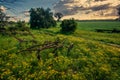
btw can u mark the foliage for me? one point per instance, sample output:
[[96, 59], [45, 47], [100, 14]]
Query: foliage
[[58, 16], [18, 26], [119, 12], [14, 28], [3, 19], [21, 24], [7, 5], [41, 18], [68, 26], [90, 58]]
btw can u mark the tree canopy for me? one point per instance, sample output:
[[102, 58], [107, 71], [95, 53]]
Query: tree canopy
[[58, 16], [41, 18], [3, 18], [119, 12], [68, 26]]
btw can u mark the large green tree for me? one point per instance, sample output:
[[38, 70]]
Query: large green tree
[[41, 18]]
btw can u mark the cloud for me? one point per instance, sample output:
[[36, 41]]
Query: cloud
[[100, 7], [88, 9], [2, 8]]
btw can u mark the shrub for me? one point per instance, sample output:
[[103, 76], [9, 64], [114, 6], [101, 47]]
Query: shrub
[[20, 24], [68, 26]]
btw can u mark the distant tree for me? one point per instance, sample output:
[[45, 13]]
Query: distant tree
[[119, 12], [21, 24], [58, 16], [41, 18], [6, 5], [68, 26], [3, 18]]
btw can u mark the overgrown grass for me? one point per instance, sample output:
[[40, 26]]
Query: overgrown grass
[[90, 59]]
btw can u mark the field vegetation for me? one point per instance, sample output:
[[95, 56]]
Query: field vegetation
[[92, 56]]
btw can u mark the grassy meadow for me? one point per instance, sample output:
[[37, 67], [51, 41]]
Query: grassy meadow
[[94, 56]]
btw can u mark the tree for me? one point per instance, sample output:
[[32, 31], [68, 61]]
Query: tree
[[58, 16], [41, 18], [6, 5], [119, 13], [68, 26], [3, 18]]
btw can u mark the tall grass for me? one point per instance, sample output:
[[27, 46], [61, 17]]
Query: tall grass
[[90, 59]]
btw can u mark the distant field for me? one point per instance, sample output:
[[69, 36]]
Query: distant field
[[92, 25], [94, 56]]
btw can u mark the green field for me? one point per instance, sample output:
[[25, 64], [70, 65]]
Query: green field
[[92, 25], [95, 56]]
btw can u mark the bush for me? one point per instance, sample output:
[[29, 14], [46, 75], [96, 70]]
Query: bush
[[20, 24], [68, 26]]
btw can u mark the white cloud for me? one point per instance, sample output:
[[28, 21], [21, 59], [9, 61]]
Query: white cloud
[[3, 8], [88, 9]]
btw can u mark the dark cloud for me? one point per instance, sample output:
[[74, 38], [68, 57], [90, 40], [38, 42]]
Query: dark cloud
[[100, 7]]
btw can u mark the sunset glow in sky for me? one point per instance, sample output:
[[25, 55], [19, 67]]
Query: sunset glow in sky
[[78, 9]]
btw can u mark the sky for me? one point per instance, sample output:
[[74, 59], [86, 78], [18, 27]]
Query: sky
[[24, 5], [17, 8], [36, 3]]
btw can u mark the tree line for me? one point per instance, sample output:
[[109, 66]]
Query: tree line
[[44, 18]]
